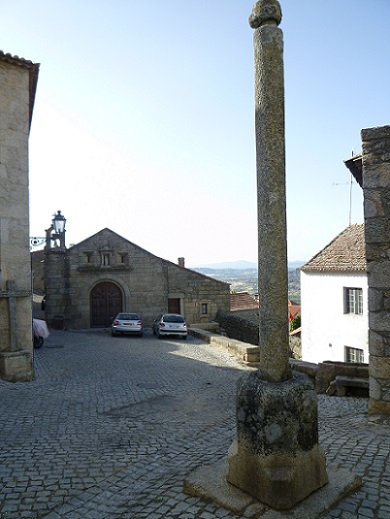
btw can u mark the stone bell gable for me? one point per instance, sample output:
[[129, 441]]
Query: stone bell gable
[[87, 284]]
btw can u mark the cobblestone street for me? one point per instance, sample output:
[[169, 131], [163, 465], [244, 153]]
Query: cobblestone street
[[110, 428]]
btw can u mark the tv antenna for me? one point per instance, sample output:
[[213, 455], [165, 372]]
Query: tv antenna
[[350, 191]]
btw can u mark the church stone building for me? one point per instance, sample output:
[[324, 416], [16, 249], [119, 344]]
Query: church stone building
[[89, 283]]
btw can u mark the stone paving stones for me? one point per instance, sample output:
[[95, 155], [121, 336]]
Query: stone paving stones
[[109, 429]]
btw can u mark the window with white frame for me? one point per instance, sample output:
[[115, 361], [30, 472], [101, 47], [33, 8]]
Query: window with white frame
[[355, 355], [353, 298]]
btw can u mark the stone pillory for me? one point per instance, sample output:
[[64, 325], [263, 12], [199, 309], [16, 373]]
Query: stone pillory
[[265, 13], [276, 457]]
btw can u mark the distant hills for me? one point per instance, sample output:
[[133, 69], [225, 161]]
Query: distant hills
[[241, 265], [242, 276]]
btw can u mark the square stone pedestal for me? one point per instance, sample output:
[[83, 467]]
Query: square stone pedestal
[[209, 483], [276, 457]]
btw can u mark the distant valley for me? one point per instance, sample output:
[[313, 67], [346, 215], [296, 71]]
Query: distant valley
[[240, 265], [244, 279]]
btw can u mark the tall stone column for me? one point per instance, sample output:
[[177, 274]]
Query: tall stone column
[[271, 192], [276, 457]]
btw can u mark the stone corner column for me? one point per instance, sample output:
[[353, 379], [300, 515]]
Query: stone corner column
[[376, 190]]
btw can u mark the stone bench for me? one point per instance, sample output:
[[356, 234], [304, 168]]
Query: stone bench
[[341, 383]]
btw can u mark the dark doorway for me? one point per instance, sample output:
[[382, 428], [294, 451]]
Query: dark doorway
[[106, 302], [174, 306]]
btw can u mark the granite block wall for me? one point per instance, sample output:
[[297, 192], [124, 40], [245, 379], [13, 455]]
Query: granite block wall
[[376, 187]]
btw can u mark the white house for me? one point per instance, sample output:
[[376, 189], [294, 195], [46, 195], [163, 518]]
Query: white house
[[334, 301]]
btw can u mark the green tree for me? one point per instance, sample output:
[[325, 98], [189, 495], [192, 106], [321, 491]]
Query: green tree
[[295, 323]]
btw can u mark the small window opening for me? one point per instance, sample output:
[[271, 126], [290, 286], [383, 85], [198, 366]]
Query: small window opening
[[354, 355], [353, 300]]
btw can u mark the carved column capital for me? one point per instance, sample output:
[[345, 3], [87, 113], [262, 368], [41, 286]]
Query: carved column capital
[[265, 12]]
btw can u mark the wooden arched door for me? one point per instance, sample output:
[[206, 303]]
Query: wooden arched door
[[105, 303]]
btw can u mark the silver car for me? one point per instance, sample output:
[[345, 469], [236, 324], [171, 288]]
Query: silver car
[[125, 322], [170, 324]]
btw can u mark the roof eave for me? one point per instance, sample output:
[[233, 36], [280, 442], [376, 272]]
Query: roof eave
[[334, 270], [355, 166], [33, 69]]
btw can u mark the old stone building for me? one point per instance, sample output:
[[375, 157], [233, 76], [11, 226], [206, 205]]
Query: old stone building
[[18, 81], [88, 283]]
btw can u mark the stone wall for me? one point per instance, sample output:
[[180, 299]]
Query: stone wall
[[202, 297], [296, 347], [250, 315], [247, 330], [17, 90], [238, 328], [376, 187], [37, 264]]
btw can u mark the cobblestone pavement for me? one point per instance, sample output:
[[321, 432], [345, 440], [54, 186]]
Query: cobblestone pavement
[[110, 428]]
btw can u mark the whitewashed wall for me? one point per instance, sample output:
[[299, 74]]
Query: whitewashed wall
[[326, 329]]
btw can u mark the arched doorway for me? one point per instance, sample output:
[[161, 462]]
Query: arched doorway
[[105, 302]]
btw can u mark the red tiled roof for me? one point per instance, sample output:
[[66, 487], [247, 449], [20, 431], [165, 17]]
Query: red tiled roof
[[242, 301], [294, 310], [346, 253]]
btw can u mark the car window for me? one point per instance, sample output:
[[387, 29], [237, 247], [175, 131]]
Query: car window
[[129, 317], [173, 319]]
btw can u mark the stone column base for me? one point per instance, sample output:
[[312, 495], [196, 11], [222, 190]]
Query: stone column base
[[276, 457], [16, 366], [278, 480]]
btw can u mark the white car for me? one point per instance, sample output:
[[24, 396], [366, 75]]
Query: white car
[[170, 324], [125, 322]]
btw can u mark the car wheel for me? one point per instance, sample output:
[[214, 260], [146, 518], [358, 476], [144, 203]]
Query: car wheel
[[38, 342], [184, 337], [159, 336]]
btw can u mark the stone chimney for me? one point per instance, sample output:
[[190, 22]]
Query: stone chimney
[[181, 262]]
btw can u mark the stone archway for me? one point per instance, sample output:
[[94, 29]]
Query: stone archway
[[105, 303]]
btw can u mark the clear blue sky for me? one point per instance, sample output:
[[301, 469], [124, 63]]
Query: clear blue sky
[[144, 118]]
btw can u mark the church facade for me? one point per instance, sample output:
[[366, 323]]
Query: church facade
[[87, 284]]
